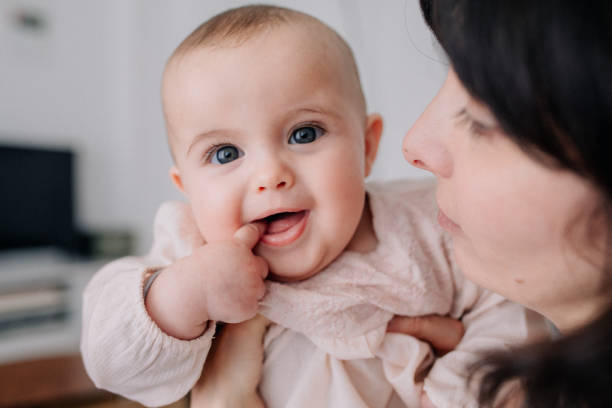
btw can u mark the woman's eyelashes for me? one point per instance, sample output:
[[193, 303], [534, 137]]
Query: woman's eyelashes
[[222, 154], [475, 127], [305, 134]]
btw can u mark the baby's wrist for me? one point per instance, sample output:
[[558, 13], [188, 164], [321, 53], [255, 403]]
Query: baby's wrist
[[148, 282], [169, 304]]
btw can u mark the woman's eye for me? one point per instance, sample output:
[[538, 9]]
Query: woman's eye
[[306, 134], [475, 127], [225, 154]]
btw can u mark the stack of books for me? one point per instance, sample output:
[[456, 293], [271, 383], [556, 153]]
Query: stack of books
[[34, 289], [33, 303]]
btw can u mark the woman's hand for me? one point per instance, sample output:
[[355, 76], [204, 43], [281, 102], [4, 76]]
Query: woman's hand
[[443, 333], [233, 368]]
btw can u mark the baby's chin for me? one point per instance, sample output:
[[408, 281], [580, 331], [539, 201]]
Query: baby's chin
[[290, 273], [290, 278], [295, 266]]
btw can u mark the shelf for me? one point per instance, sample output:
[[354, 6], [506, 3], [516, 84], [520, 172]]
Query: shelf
[[47, 339]]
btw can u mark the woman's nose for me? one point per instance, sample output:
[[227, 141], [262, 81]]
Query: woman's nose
[[273, 175], [425, 144]]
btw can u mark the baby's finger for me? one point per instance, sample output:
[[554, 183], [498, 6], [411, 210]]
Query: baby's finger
[[249, 234], [263, 267]]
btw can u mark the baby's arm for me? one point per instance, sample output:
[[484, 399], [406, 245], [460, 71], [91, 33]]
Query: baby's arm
[[491, 323], [124, 349], [219, 281]]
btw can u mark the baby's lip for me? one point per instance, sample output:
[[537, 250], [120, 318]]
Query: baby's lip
[[261, 217]]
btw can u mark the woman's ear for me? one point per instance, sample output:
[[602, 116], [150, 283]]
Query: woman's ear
[[175, 176], [373, 132]]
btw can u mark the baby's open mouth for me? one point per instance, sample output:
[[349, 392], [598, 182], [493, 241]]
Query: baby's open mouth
[[281, 222], [283, 228]]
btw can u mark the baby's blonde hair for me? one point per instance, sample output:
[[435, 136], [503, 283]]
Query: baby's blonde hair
[[236, 26]]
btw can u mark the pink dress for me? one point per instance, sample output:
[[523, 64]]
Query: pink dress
[[328, 346]]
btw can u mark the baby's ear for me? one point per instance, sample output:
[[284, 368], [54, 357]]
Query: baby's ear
[[373, 132], [175, 176]]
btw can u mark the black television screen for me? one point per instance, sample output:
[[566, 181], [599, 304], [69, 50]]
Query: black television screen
[[36, 208]]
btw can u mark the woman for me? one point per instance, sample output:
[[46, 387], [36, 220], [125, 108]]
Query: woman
[[518, 138]]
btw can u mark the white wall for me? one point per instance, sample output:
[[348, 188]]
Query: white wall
[[90, 81]]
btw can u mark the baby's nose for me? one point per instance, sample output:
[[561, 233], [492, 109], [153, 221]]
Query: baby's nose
[[274, 176], [265, 186]]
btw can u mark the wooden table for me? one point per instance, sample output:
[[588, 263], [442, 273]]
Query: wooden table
[[56, 382], [42, 381]]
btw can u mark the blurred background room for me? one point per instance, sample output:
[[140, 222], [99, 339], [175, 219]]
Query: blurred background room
[[84, 160]]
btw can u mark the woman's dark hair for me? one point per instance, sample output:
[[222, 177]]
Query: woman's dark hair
[[544, 68]]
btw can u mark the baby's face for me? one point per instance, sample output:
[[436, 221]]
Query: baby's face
[[270, 131]]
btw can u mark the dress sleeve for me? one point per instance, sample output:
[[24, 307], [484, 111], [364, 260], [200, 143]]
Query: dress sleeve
[[123, 350], [492, 323]]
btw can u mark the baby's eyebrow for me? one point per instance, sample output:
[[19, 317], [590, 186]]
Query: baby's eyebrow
[[293, 112], [312, 110], [316, 110], [206, 135]]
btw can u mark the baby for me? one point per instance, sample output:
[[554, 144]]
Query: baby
[[268, 129]]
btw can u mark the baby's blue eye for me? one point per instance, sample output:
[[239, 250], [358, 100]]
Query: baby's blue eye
[[306, 134], [225, 154]]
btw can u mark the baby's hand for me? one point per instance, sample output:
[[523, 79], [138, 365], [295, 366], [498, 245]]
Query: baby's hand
[[218, 281], [235, 276]]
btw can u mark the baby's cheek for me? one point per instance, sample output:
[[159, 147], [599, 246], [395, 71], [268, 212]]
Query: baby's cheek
[[216, 228]]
